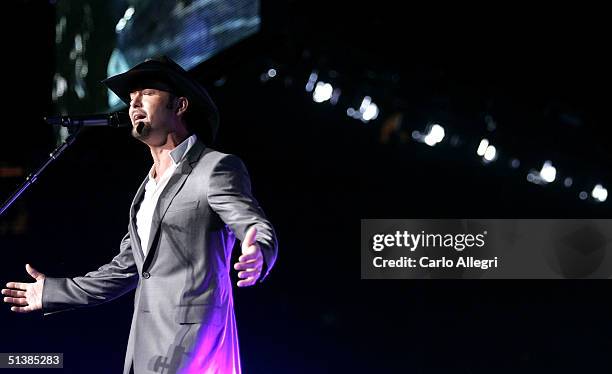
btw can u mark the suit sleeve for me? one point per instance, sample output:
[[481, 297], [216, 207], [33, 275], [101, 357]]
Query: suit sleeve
[[230, 196], [108, 282]]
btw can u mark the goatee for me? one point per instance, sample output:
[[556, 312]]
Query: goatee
[[141, 130]]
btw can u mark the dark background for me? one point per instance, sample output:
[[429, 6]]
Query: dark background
[[542, 73]]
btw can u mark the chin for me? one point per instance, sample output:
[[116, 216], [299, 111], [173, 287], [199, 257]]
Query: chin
[[144, 133]]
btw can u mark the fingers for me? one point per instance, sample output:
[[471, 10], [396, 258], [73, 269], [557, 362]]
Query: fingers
[[17, 285], [249, 238], [247, 282], [256, 263], [253, 254], [249, 273], [16, 300], [13, 293], [251, 260], [33, 272], [22, 309]]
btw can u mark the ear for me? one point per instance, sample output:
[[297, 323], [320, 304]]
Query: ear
[[183, 104]]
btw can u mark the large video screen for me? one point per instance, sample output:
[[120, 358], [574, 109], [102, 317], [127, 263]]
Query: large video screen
[[96, 39]]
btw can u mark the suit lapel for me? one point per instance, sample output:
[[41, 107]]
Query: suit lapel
[[177, 180], [136, 245]]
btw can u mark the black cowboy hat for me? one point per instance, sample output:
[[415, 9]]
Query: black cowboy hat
[[164, 74]]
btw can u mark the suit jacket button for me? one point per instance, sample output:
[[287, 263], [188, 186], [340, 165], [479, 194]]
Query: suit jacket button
[[146, 275]]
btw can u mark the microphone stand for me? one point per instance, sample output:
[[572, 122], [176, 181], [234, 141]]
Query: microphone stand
[[74, 131]]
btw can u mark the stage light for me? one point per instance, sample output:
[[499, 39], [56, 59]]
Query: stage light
[[548, 172], [78, 43], [567, 182], [490, 153], [365, 103], [546, 175], [370, 112], [129, 12], [367, 110], [515, 163], [583, 195], [267, 75], [120, 25], [599, 193], [60, 85], [531, 177], [322, 92], [434, 135], [482, 147], [312, 79]]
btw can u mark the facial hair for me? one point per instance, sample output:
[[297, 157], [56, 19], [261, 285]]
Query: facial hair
[[142, 130]]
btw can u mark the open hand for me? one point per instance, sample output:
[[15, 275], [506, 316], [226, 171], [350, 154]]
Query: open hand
[[25, 297], [251, 261]]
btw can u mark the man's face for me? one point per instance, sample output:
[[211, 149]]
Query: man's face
[[153, 115]]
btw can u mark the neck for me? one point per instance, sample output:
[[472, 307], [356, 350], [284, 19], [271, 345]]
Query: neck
[[161, 154]]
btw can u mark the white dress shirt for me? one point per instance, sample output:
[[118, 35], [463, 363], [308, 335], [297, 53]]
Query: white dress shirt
[[153, 190]]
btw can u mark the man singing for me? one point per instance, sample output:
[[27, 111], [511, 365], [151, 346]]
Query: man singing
[[183, 223]]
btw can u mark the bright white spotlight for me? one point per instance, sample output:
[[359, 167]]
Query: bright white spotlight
[[322, 92], [482, 147], [599, 193], [435, 135], [371, 112], [429, 140], [437, 132], [129, 12], [272, 73], [490, 153], [548, 172], [365, 103], [120, 25], [367, 110]]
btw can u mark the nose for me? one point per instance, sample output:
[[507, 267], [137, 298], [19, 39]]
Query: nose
[[136, 101]]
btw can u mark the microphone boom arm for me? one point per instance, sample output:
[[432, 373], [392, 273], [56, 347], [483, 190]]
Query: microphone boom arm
[[34, 175]]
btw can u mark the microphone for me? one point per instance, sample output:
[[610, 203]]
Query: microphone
[[115, 119]]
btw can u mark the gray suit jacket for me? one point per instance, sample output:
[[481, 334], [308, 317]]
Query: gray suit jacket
[[183, 309]]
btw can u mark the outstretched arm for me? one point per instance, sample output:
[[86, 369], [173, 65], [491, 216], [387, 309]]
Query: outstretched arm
[[230, 196], [57, 294]]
